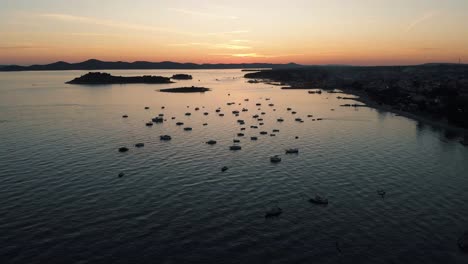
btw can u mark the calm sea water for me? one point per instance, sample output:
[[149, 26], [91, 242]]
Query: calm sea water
[[61, 200]]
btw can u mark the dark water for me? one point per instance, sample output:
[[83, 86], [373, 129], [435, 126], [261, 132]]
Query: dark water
[[61, 200]]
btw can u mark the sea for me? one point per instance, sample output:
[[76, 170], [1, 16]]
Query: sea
[[62, 200]]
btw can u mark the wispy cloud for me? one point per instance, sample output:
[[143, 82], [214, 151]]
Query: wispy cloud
[[103, 22], [22, 47], [130, 26], [254, 55], [212, 45], [420, 20], [201, 14]]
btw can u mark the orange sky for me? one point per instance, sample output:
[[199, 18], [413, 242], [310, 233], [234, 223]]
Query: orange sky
[[360, 32]]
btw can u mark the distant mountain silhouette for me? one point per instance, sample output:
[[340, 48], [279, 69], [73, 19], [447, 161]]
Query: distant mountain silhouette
[[94, 64]]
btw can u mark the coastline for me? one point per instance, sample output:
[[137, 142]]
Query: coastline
[[365, 99]]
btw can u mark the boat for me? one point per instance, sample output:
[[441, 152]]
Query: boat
[[218, 110], [235, 147], [123, 149], [149, 124], [240, 134], [187, 128], [188, 114], [158, 119], [258, 104], [293, 112], [276, 130], [236, 140], [271, 105], [205, 124], [255, 116], [124, 116], [165, 137], [273, 212], [211, 142], [253, 138], [275, 159], [272, 135], [292, 151], [139, 145], [180, 123], [146, 107], [280, 119], [318, 200], [223, 169], [235, 112], [263, 133], [298, 119], [255, 127], [206, 113], [289, 109], [197, 108], [161, 115], [221, 114], [463, 242], [381, 192]]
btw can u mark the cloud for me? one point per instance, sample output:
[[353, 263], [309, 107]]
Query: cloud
[[254, 55], [212, 46], [103, 22], [22, 47], [129, 26], [420, 20], [201, 14]]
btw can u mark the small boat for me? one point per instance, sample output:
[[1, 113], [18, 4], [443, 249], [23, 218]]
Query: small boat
[[246, 99], [221, 114], [261, 124], [162, 107], [253, 138], [197, 108], [161, 115], [263, 133], [255, 116], [240, 121], [236, 140], [125, 116], [273, 212], [309, 115], [188, 114], [280, 119], [187, 129], [240, 134], [275, 159], [254, 127], [165, 137], [293, 112], [272, 135], [262, 113], [289, 109], [121, 174], [146, 107], [292, 151], [205, 124], [180, 123], [381, 192], [211, 142], [206, 113], [223, 169], [258, 104], [318, 200], [123, 149], [463, 242], [271, 105], [218, 110], [260, 119], [242, 128], [245, 109], [158, 119], [298, 119], [276, 130], [139, 145], [235, 147], [173, 117], [148, 124], [235, 112]]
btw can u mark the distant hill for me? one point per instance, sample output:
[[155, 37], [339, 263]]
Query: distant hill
[[139, 65]]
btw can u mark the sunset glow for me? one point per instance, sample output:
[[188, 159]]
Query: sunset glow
[[360, 32]]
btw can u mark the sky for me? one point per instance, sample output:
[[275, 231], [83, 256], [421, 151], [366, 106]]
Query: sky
[[357, 32]]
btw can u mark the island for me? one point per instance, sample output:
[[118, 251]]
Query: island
[[106, 78], [192, 89], [182, 76]]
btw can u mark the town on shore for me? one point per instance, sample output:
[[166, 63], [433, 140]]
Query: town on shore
[[436, 91]]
